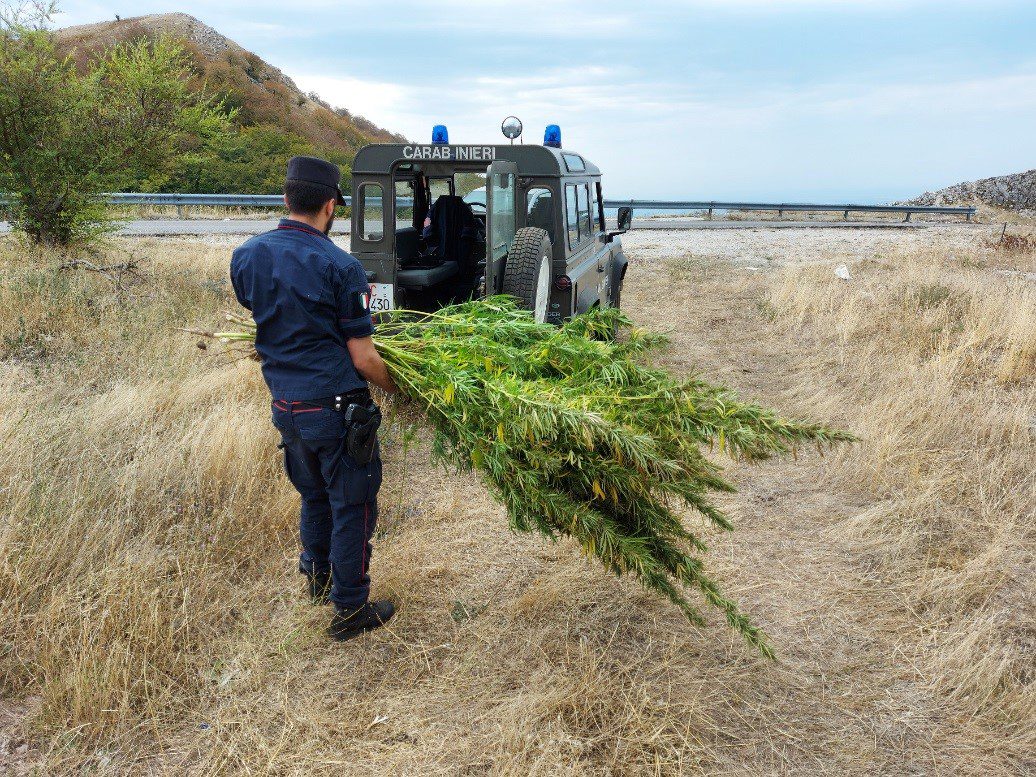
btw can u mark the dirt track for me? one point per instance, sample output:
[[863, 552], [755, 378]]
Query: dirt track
[[845, 696], [768, 248]]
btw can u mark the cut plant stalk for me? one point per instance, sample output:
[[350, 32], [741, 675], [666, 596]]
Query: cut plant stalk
[[578, 436]]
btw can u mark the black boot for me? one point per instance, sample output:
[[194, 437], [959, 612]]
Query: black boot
[[319, 587], [347, 624]]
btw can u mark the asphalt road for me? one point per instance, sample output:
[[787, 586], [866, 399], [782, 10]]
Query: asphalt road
[[162, 228]]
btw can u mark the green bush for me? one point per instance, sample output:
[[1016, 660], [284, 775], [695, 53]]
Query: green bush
[[130, 119], [247, 159]]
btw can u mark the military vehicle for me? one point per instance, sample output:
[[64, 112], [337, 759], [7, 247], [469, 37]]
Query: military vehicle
[[439, 223]]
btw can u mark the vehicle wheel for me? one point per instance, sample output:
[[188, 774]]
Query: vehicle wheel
[[527, 274]]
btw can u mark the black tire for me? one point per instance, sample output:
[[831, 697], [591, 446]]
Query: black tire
[[527, 272]]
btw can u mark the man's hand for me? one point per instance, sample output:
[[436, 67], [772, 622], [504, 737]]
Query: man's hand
[[369, 364]]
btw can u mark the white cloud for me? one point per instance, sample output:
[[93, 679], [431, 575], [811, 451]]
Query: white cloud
[[779, 6], [667, 138], [670, 97], [985, 96], [381, 102]]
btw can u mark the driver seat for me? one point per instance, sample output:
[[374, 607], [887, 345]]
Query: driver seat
[[453, 231]]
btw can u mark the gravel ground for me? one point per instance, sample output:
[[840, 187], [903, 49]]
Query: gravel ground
[[776, 247], [754, 247]]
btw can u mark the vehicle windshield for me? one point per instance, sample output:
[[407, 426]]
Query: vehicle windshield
[[477, 200], [472, 187]]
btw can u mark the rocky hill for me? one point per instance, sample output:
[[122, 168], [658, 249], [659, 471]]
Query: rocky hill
[[1009, 192], [262, 93]]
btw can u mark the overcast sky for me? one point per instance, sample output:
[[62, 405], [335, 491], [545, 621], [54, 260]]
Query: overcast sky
[[865, 100]]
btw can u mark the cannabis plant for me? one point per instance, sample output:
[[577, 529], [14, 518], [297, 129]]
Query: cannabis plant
[[580, 437]]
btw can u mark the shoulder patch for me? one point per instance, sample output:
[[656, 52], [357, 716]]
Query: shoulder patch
[[361, 303]]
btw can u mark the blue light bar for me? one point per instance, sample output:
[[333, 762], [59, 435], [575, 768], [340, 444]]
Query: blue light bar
[[552, 136], [440, 137]]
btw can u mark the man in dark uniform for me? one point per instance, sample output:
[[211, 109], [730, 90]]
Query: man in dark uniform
[[311, 305]]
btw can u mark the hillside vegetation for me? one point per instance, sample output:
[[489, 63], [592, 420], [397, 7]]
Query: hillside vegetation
[[274, 119], [152, 622]]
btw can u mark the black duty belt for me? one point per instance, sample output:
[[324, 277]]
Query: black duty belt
[[362, 416], [339, 402]]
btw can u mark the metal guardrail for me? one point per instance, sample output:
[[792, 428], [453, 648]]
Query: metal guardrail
[[780, 207], [709, 206], [210, 200]]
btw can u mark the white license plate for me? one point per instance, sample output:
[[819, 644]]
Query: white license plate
[[382, 297]]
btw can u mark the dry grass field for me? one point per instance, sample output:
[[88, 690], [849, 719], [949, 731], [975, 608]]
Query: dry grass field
[[152, 622]]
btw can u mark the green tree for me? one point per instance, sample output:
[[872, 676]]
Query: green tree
[[249, 159], [66, 137]]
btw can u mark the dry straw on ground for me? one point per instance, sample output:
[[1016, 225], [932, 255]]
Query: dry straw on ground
[[151, 620]]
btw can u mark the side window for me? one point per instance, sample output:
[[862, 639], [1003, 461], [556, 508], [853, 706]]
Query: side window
[[539, 210], [404, 204], [571, 215], [372, 212], [584, 212], [574, 163]]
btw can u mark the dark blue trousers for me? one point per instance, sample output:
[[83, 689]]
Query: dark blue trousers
[[339, 498]]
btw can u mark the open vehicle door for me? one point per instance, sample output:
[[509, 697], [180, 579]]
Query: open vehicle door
[[501, 219]]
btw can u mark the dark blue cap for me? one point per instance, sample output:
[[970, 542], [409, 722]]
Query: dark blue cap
[[319, 172]]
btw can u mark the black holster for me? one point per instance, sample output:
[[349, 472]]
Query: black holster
[[362, 435]]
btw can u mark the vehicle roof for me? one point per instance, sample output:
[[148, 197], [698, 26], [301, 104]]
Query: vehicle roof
[[532, 160]]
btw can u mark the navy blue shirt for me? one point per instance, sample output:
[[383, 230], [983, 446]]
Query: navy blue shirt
[[308, 297]]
